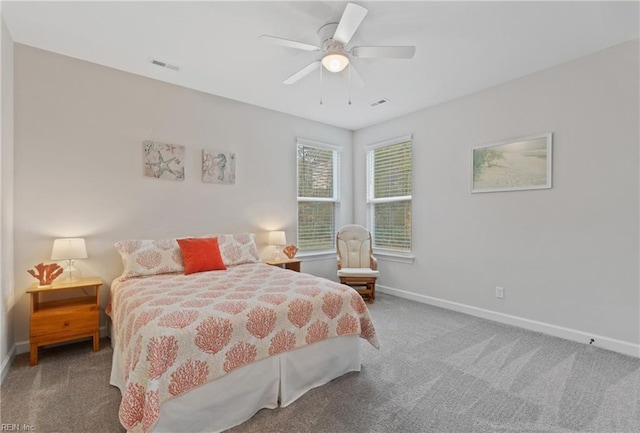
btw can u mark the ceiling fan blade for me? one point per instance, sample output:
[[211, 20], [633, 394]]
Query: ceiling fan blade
[[399, 52], [302, 72], [289, 43], [351, 18], [356, 79]]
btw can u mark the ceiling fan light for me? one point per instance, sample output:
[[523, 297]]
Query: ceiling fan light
[[335, 62]]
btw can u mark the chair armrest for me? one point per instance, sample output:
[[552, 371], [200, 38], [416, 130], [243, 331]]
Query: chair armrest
[[374, 263], [339, 262]]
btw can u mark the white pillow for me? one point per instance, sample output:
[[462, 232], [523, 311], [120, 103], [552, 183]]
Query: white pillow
[[238, 248], [149, 257]]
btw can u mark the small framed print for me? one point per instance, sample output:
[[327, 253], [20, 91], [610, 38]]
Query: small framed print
[[218, 167], [163, 161]]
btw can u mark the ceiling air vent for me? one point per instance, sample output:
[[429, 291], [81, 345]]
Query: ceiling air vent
[[163, 64], [379, 102]]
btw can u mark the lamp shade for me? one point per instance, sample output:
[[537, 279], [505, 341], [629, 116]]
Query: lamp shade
[[69, 248], [277, 238], [335, 62]]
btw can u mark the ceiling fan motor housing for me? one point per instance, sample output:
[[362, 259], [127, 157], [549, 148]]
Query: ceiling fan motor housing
[[326, 32]]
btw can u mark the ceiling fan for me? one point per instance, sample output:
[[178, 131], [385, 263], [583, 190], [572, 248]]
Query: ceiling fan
[[335, 54]]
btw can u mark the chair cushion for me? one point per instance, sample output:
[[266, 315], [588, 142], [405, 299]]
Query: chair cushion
[[357, 272], [353, 244]]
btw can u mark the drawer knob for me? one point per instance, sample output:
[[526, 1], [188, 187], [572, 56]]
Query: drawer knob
[[66, 323]]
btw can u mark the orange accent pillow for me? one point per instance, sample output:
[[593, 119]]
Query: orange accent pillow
[[201, 255]]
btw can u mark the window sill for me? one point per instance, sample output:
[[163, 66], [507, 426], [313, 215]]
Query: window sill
[[317, 255], [394, 256], [387, 255]]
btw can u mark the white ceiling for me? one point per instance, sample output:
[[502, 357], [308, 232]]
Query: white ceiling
[[461, 47]]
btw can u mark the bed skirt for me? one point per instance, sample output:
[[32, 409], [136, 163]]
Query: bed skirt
[[237, 396]]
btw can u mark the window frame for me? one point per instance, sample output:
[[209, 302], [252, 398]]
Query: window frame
[[403, 256], [320, 253]]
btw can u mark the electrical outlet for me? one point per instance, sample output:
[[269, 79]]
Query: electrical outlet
[[500, 292]]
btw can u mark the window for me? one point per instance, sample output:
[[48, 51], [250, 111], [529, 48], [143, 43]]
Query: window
[[317, 195], [389, 189]]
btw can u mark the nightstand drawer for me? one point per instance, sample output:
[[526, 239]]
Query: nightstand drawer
[[64, 323], [74, 316]]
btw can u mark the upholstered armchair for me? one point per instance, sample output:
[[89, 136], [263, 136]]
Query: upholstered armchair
[[356, 265]]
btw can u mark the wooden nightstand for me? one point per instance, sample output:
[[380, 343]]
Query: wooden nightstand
[[291, 264], [66, 319]]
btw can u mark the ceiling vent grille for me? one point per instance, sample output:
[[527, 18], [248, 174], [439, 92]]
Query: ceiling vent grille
[[379, 102], [163, 64]]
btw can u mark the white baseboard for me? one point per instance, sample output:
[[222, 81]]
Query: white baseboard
[[619, 346], [22, 347], [6, 363]]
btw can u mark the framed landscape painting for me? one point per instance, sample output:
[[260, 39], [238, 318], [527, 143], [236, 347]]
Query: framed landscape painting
[[512, 165]]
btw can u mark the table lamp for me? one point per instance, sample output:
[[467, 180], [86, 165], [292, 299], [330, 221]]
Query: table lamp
[[278, 239], [69, 249]]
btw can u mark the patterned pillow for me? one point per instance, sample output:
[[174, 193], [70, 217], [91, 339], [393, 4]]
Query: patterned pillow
[[149, 257], [238, 249]]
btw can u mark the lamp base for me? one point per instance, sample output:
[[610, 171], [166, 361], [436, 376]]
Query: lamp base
[[71, 275], [277, 253]]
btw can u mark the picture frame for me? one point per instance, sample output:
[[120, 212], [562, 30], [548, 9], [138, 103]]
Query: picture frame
[[218, 166], [517, 164], [162, 160]]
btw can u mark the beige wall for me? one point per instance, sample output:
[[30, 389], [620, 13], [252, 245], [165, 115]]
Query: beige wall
[[567, 257], [79, 129], [6, 200]]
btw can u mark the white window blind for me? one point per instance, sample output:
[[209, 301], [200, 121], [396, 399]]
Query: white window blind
[[389, 194], [317, 196]]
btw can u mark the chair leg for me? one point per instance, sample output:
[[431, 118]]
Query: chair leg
[[371, 288], [368, 286]]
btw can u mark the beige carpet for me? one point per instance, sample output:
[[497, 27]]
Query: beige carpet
[[436, 371]]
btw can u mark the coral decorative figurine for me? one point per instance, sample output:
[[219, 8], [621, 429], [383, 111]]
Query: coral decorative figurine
[[46, 273], [290, 251]]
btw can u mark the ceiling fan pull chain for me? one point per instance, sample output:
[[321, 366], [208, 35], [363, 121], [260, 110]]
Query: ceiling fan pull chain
[[349, 84], [321, 88]]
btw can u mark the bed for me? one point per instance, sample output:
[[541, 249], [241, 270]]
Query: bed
[[204, 352]]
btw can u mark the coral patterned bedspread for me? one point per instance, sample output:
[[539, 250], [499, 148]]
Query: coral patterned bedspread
[[177, 332]]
